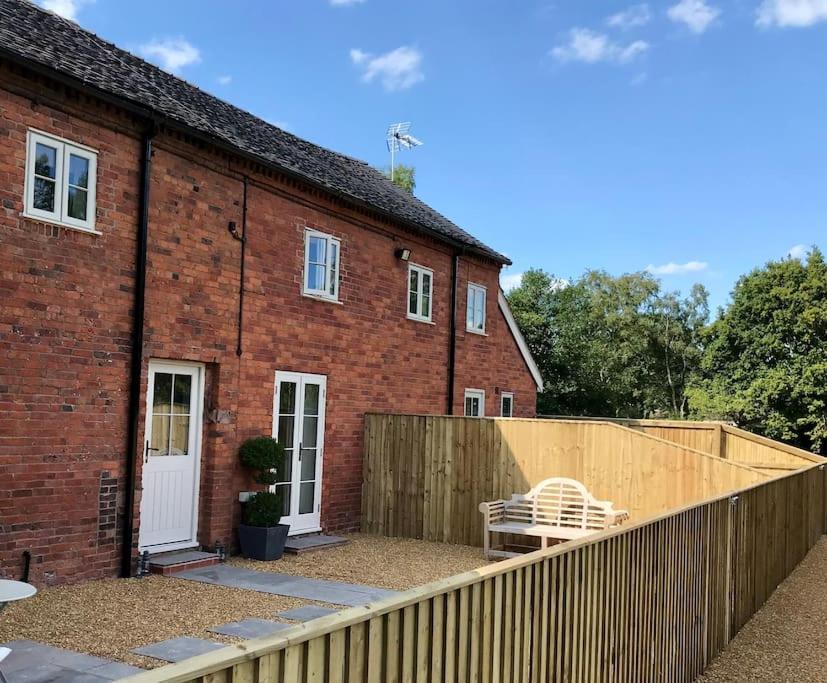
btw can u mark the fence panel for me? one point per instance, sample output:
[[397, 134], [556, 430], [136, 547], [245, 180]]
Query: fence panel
[[424, 477]]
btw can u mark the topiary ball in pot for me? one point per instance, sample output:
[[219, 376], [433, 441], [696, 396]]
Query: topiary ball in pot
[[265, 457], [264, 509], [262, 536]]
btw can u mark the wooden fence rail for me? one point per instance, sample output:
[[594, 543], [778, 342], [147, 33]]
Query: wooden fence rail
[[652, 600], [425, 476], [721, 440]]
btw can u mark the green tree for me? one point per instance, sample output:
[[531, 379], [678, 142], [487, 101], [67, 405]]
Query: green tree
[[676, 336], [765, 363], [403, 176], [607, 345]]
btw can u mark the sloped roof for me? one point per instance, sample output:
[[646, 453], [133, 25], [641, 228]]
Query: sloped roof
[[40, 38]]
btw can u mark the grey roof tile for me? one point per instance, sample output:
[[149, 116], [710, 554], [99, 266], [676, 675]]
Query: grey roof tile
[[36, 36]]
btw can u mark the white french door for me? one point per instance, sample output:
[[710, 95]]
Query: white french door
[[298, 424], [171, 456]]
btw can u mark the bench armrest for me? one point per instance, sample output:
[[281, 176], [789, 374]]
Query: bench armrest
[[493, 510], [616, 517]]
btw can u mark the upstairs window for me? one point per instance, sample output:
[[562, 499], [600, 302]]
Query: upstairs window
[[420, 288], [474, 403], [60, 181], [321, 265], [507, 404], [475, 311]]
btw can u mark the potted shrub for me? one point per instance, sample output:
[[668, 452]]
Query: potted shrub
[[261, 535]]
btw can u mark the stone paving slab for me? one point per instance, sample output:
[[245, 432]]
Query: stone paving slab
[[249, 628], [303, 544], [285, 584], [33, 662], [178, 649], [306, 613], [169, 559]]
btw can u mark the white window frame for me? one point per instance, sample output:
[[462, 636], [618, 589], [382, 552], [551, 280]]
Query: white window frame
[[474, 393], [510, 396], [65, 148], [331, 273], [420, 272], [476, 290]]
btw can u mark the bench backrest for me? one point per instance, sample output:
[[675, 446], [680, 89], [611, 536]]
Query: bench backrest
[[559, 502]]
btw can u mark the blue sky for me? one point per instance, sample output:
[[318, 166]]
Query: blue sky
[[686, 136]]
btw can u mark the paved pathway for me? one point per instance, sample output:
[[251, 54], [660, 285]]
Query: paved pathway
[[31, 662], [785, 640], [285, 584]]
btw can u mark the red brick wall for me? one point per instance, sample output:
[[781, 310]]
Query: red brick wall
[[65, 336], [65, 325]]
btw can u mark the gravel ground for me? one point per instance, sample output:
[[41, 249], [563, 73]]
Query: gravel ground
[[785, 640], [109, 618], [396, 563]]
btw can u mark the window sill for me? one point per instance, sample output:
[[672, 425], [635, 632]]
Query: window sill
[[319, 297], [60, 224], [477, 332], [420, 320]]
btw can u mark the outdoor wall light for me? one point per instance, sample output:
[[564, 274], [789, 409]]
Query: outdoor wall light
[[403, 254]]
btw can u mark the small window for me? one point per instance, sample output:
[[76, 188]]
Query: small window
[[321, 265], [507, 404], [474, 403], [475, 312], [60, 181], [420, 289]]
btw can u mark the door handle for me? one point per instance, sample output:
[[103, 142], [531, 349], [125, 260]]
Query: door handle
[[147, 449]]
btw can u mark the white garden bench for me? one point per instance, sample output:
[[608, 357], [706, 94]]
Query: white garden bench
[[557, 508]]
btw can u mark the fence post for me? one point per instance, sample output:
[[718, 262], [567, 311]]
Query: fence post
[[731, 579], [718, 443]]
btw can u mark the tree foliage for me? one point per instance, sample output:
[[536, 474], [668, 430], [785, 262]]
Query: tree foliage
[[614, 346], [765, 363], [403, 176]]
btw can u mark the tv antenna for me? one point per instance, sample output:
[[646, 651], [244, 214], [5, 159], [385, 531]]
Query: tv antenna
[[400, 138]]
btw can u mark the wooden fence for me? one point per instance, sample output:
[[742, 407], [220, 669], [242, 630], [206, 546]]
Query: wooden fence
[[723, 441], [425, 476], [652, 600]]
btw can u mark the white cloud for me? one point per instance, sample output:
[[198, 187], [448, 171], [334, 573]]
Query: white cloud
[[796, 13], [672, 268], [345, 3], [799, 251], [68, 9], [171, 54], [225, 80], [397, 70], [633, 17], [696, 14], [590, 47], [511, 281]]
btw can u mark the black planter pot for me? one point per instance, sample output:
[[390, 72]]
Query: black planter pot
[[262, 543]]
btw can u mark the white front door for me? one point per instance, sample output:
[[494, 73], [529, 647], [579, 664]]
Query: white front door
[[298, 424], [172, 455]]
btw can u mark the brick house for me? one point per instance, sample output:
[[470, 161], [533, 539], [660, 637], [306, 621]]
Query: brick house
[[165, 253]]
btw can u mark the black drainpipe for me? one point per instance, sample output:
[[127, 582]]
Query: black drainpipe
[[243, 239], [137, 350], [452, 344]]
